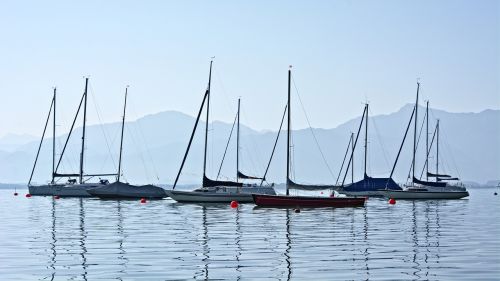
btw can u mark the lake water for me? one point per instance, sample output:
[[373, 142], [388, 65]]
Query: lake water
[[89, 239]]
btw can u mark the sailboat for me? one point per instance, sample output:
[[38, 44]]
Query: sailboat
[[368, 186], [217, 191], [420, 189], [123, 190], [263, 200], [71, 188]]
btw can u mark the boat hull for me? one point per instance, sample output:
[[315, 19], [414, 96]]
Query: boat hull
[[369, 193], [120, 190], [205, 197], [423, 195], [307, 201], [64, 190]]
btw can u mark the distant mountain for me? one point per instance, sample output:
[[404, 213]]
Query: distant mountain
[[155, 144], [12, 142]]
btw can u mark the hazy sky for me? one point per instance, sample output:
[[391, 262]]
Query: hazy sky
[[342, 52]]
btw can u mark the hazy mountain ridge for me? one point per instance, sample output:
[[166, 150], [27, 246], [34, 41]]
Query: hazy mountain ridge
[[155, 144]]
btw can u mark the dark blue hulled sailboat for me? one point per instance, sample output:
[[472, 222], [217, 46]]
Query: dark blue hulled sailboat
[[368, 186]]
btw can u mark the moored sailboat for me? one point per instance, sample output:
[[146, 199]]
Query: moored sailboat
[[123, 190], [262, 200], [425, 189], [217, 190]]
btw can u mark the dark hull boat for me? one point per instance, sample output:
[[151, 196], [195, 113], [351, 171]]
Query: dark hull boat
[[306, 201], [262, 200], [121, 190]]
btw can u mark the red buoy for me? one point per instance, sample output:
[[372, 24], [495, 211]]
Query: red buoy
[[321, 192], [143, 200], [28, 195], [56, 197], [15, 193], [234, 204], [392, 201]]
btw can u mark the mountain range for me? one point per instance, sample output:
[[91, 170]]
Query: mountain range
[[155, 144]]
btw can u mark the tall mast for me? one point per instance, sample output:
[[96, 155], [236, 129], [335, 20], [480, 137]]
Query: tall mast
[[366, 137], [288, 135], [83, 133], [352, 158], [54, 138], [415, 133], [238, 143], [206, 124], [121, 139], [437, 149], [427, 142]]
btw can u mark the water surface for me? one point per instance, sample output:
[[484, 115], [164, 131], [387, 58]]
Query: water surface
[[90, 239]]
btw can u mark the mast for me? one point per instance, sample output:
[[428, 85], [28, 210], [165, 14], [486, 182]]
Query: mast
[[437, 149], [415, 133], [366, 137], [238, 143], [121, 139], [83, 132], [54, 138], [206, 124], [427, 142], [352, 157], [288, 136]]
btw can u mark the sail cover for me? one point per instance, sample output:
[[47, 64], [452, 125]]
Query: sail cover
[[310, 187], [243, 176], [429, 183], [210, 183], [438, 175], [448, 179], [372, 184]]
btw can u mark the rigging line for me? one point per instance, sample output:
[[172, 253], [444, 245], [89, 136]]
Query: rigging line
[[402, 143], [254, 145], [449, 152], [354, 146], [312, 131], [274, 147], [343, 161], [227, 145], [418, 140], [97, 109], [41, 140], [428, 152], [377, 132], [144, 141], [136, 146]]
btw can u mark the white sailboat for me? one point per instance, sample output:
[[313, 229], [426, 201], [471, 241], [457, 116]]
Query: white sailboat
[[441, 188], [217, 190], [72, 188]]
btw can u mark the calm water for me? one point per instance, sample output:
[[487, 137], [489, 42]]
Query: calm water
[[89, 239]]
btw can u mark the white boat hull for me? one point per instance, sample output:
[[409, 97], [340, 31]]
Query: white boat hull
[[220, 194], [64, 190], [422, 195]]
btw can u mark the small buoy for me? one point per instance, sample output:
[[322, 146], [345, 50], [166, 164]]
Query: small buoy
[[28, 195], [15, 194], [143, 200], [297, 210], [234, 204], [321, 192], [392, 201], [56, 197], [493, 193]]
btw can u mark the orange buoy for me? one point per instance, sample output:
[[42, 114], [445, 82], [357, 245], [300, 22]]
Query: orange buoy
[[234, 204], [15, 193], [28, 195], [56, 197], [143, 200], [392, 201]]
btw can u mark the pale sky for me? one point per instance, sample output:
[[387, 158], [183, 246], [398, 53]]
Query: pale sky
[[343, 53]]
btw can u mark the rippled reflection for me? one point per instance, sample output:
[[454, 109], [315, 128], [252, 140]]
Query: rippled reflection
[[90, 239]]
